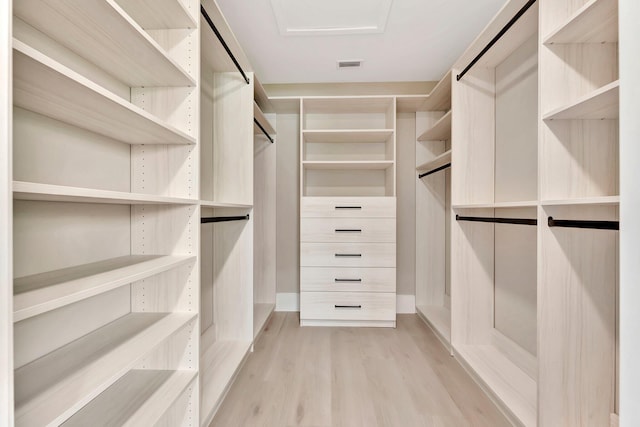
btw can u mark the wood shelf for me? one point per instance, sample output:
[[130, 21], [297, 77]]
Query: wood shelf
[[440, 131], [439, 161], [219, 365], [602, 103], [39, 293], [595, 22], [439, 320], [347, 104], [499, 205], [210, 204], [285, 104], [60, 193], [595, 201], [410, 103], [347, 165], [52, 388], [141, 397], [260, 117], [348, 135], [159, 14], [439, 99], [511, 387], [260, 96], [104, 34], [47, 87], [261, 313]]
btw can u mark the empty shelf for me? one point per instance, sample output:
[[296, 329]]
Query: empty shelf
[[60, 193], [347, 104], [101, 32], [158, 14], [499, 205], [439, 319], [410, 103], [441, 130], [260, 117], [39, 293], [439, 161], [439, 99], [347, 135], [595, 201], [49, 88], [347, 165], [141, 397], [211, 204], [52, 388], [602, 103], [595, 22], [261, 313]]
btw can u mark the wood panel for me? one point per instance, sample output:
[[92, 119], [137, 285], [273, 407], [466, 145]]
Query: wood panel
[[347, 254], [347, 306], [347, 279], [348, 230], [347, 207]]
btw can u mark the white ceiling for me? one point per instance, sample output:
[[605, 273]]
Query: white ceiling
[[421, 40]]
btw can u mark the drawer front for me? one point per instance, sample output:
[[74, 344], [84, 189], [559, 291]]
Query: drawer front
[[346, 279], [381, 230], [347, 254], [348, 207], [347, 306]]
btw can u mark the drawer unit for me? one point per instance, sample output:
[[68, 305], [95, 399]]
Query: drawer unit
[[348, 207], [347, 254], [381, 230], [348, 306], [345, 279]]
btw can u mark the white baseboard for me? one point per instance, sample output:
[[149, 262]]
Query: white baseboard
[[290, 301]]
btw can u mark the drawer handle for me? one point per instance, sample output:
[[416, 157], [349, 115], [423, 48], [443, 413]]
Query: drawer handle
[[357, 307], [348, 280], [348, 230], [348, 255], [348, 207]]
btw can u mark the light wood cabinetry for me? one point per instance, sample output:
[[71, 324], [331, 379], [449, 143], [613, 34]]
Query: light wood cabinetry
[[347, 209]]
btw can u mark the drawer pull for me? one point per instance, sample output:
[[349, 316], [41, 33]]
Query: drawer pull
[[348, 255], [348, 280], [348, 230], [357, 307], [348, 207]]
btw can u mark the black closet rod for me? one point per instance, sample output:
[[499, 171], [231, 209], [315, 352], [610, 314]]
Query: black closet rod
[[204, 13], [518, 221], [263, 130], [422, 175], [598, 225], [207, 220], [497, 37]]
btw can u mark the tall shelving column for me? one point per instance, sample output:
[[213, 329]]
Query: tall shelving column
[[579, 180], [433, 210], [105, 154], [348, 211]]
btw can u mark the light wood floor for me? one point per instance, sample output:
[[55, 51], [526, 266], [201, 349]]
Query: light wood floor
[[351, 377]]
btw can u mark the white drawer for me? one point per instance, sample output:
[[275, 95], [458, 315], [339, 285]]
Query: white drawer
[[382, 230], [347, 254], [346, 279], [347, 306], [348, 207]]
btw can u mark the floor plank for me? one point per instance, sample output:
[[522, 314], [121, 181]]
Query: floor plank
[[353, 377]]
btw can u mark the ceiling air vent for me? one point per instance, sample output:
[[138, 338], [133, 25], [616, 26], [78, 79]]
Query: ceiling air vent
[[349, 64]]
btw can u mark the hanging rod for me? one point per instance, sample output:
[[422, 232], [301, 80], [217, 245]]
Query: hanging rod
[[518, 221], [497, 37], [599, 225], [204, 13], [262, 129], [422, 175], [207, 220]]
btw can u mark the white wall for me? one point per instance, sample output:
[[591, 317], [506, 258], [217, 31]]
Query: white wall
[[629, 210]]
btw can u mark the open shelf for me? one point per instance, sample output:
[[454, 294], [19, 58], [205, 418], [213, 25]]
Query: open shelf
[[47, 87], [43, 292], [346, 165], [602, 103], [594, 201], [440, 131], [158, 14], [410, 103], [439, 99], [439, 161], [347, 135], [102, 33], [260, 117], [510, 386], [210, 204], [439, 319], [260, 96], [52, 388], [595, 22], [60, 193], [141, 397], [218, 367], [347, 104], [499, 205], [261, 313]]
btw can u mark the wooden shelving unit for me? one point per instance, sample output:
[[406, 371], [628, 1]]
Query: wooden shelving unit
[[438, 161], [441, 130], [348, 135], [595, 22], [600, 104], [363, 165]]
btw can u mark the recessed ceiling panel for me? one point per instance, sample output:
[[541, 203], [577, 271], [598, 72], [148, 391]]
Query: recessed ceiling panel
[[331, 17]]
